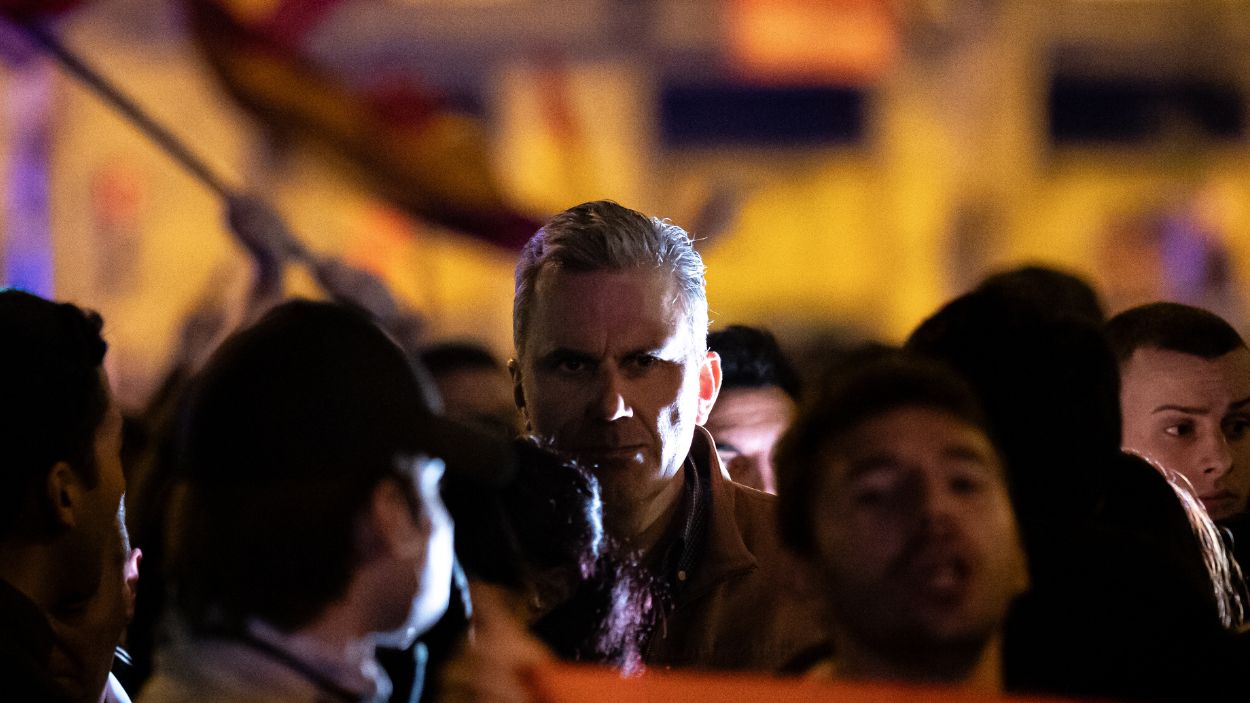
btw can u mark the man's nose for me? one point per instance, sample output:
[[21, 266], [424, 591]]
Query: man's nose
[[613, 404], [938, 503], [1217, 458]]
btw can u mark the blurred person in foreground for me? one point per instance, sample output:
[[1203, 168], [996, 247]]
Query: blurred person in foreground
[[1186, 402], [612, 367], [307, 526], [473, 385], [893, 491], [759, 390], [67, 573]]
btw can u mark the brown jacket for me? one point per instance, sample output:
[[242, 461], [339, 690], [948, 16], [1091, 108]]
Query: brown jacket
[[740, 607]]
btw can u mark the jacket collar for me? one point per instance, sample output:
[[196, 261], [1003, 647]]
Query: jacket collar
[[724, 553]]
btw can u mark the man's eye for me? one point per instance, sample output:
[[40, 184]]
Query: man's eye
[[571, 365], [966, 485], [869, 498], [1180, 429], [876, 492], [1235, 427], [644, 361]]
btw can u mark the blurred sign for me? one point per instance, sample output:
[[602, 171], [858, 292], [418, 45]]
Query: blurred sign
[[820, 41]]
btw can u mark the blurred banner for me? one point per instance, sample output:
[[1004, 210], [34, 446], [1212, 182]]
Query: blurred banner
[[565, 683], [406, 141]]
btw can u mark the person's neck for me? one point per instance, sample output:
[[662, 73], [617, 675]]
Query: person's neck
[[974, 671], [642, 523], [333, 649], [336, 630]]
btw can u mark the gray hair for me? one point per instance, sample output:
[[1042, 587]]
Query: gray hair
[[605, 236]]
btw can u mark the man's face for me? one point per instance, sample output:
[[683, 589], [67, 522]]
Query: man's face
[[88, 627], [609, 372], [746, 423], [915, 534], [86, 633], [1190, 415], [111, 482], [422, 583]]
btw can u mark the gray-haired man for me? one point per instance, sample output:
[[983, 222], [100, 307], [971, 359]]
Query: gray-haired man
[[612, 365]]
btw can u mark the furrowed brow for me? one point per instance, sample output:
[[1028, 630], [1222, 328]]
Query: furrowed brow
[[1189, 410], [561, 354]]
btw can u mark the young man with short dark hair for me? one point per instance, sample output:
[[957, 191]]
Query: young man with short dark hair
[[64, 591], [1185, 399], [893, 491]]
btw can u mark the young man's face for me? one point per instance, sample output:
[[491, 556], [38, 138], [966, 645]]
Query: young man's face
[[915, 533], [86, 633], [89, 626], [609, 372], [746, 423], [423, 561], [1191, 415]]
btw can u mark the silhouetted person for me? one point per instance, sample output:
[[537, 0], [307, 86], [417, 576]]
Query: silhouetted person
[[66, 569], [307, 526], [1048, 288]]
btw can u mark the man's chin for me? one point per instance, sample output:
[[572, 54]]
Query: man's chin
[[614, 458]]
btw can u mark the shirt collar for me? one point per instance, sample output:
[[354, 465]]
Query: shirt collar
[[350, 672]]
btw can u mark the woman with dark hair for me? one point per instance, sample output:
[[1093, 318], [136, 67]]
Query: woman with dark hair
[[541, 538]]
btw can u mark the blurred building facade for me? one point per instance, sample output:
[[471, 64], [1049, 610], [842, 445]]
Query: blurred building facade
[[851, 163]]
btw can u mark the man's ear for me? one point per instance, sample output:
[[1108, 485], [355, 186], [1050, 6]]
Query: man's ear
[[64, 492], [518, 391], [402, 535], [130, 575], [518, 395], [709, 385]]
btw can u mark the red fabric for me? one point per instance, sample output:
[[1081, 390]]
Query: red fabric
[[565, 683], [392, 126]]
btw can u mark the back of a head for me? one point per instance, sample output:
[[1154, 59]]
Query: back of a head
[[549, 516], [865, 385], [751, 358], [289, 428], [605, 236], [449, 357], [1049, 288], [1171, 327], [54, 400], [1050, 387]]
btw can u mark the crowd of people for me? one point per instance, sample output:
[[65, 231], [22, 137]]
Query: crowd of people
[[1024, 498]]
